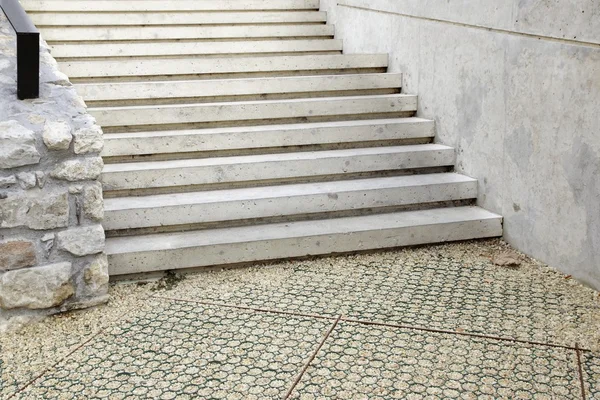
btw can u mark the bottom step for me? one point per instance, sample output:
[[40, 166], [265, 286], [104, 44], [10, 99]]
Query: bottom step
[[136, 254]]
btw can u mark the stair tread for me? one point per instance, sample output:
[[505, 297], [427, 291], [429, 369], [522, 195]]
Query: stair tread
[[192, 48], [236, 87], [260, 128], [315, 100], [98, 33], [265, 192], [159, 5], [175, 18], [311, 155], [221, 65], [379, 222]]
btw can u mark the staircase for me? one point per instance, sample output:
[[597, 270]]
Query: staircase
[[238, 131]]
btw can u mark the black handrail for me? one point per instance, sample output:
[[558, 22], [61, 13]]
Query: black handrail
[[28, 49]]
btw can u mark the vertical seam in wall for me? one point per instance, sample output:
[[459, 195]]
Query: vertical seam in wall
[[503, 177]]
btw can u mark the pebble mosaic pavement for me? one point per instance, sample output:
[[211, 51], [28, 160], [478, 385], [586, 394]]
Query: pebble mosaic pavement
[[427, 323]]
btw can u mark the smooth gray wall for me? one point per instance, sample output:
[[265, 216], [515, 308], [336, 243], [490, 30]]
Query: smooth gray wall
[[515, 87]]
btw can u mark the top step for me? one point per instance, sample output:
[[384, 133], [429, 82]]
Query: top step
[[171, 18], [160, 5]]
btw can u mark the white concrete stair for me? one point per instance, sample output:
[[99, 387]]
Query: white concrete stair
[[285, 200], [193, 90], [266, 136], [264, 167], [238, 131], [147, 253], [199, 66], [86, 34]]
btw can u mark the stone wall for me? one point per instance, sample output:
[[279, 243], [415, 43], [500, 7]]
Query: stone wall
[[515, 87], [51, 240]]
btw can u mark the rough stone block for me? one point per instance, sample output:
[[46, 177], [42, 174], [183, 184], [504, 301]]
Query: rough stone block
[[17, 146], [39, 211], [96, 277], [89, 140], [82, 241], [78, 169], [8, 181], [17, 254], [93, 202], [57, 135], [36, 288]]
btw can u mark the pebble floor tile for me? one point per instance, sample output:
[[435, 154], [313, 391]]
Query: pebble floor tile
[[373, 362], [187, 351], [591, 373]]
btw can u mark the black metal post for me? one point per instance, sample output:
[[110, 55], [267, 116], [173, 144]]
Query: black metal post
[[28, 65], [28, 49]]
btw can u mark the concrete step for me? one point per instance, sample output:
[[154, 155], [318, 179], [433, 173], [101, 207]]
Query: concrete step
[[235, 113], [162, 49], [131, 255], [194, 90], [42, 19], [221, 66], [265, 167], [159, 5], [284, 200], [269, 136], [75, 34]]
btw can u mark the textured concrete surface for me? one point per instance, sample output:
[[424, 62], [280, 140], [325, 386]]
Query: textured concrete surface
[[514, 87], [436, 322]]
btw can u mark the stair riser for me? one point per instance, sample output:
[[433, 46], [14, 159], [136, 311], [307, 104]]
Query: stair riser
[[157, 5], [274, 110], [116, 145], [223, 66], [286, 206], [259, 87], [250, 172], [176, 18], [261, 250], [137, 33], [223, 49]]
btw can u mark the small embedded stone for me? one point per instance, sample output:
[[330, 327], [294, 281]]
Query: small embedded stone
[[17, 146], [27, 180], [36, 288], [57, 135], [88, 140], [17, 254], [509, 260], [40, 177], [79, 169], [82, 241], [93, 202]]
